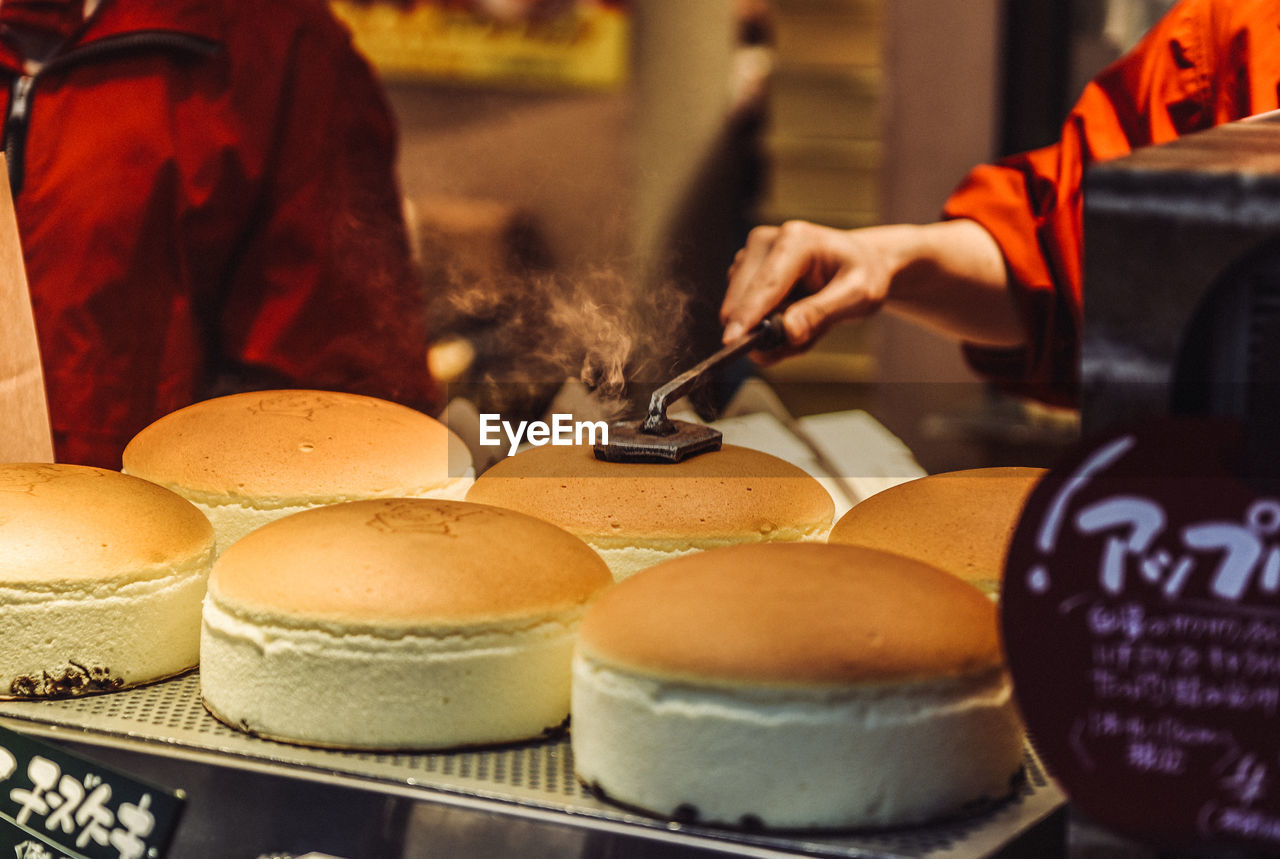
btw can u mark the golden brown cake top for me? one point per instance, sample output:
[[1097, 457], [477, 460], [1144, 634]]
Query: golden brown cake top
[[729, 494], [76, 523], [961, 521], [297, 444], [401, 561], [774, 614]]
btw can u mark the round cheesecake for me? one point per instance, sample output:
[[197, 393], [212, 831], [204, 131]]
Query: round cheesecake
[[101, 578], [396, 624], [640, 514], [794, 686], [247, 459], [961, 521]]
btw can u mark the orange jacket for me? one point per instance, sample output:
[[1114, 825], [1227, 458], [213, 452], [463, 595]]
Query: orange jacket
[[206, 193], [1206, 62]]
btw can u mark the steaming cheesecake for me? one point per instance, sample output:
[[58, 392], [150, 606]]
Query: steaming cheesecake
[[247, 459], [101, 578], [640, 514], [961, 521], [396, 624], [794, 686]]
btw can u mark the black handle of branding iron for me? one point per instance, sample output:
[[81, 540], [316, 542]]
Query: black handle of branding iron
[[769, 334]]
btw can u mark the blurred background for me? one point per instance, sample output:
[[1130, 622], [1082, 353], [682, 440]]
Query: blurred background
[[579, 174]]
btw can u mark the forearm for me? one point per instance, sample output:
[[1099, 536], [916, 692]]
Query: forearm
[[951, 276], [948, 275]]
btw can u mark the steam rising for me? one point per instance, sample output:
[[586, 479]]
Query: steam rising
[[532, 333]]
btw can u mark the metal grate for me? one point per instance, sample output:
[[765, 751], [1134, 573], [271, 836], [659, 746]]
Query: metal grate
[[168, 718]]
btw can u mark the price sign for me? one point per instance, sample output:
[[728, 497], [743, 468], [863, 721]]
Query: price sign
[[57, 805], [1141, 615]]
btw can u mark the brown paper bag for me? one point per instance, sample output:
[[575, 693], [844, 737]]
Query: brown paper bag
[[24, 412]]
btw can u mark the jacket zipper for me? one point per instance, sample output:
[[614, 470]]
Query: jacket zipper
[[15, 129], [22, 91]]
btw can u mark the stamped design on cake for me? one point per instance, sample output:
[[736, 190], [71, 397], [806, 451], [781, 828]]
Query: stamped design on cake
[[408, 518], [25, 479], [302, 404]]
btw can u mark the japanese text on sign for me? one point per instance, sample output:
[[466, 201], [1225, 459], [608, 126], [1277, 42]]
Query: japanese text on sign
[[1150, 575], [57, 804], [1226, 556]]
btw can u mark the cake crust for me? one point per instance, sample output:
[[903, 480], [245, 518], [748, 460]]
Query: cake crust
[[728, 495], [960, 521], [282, 445], [406, 562], [792, 615], [76, 524]]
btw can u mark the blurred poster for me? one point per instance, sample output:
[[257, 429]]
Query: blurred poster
[[577, 44]]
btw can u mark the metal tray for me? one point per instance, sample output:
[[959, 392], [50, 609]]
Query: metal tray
[[167, 719]]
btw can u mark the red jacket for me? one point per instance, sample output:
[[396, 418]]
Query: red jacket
[[205, 191], [1205, 63]]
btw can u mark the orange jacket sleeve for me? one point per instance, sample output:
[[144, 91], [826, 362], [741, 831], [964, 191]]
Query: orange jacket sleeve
[[1205, 62]]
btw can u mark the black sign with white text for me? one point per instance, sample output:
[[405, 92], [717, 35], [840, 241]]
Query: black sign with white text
[[58, 805], [1141, 616]]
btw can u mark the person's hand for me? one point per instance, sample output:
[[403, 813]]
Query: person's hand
[[949, 275], [832, 275]]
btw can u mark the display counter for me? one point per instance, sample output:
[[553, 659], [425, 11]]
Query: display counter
[[251, 797]]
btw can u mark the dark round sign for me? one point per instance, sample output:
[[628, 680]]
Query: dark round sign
[[1141, 616]]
